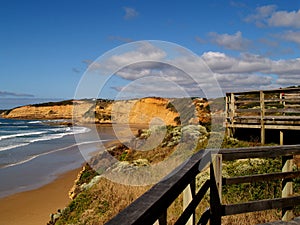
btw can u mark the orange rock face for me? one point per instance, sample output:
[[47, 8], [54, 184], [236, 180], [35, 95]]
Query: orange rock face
[[142, 111]]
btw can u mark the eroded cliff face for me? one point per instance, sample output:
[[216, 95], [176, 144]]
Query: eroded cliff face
[[144, 111], [141, 111], [48, 111]]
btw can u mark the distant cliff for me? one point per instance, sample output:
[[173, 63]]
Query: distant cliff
[[50, 110], [141, 111]]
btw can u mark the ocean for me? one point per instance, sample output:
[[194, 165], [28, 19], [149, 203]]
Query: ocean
[[35, 152]]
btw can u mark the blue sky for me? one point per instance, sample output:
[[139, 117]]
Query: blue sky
[[46, 46]]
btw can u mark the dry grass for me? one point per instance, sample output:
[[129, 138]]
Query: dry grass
[[100, 203]]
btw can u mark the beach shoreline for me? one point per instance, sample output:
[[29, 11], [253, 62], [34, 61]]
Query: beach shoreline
[[35, 206]]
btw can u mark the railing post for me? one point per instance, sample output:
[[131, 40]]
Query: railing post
[[216, 190], [188, 195], [287, 187], [262, 117], [232, 113], [281, 137]]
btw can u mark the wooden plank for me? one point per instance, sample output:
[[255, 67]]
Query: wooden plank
[[188, 195], [269, 117], [150, 206], [246, 100], [283, 110], [261, 177], [247, 110], [267, 126], [215, 201], [281, 90], [262, 117], [287, 187], [217, 164], [193, 204], [260, 205], [259, 152], [281, 137]]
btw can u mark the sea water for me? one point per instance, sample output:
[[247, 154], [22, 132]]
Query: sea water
[[35, 152]]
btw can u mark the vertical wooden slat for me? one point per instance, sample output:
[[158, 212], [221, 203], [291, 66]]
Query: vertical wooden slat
[[262, 118], [227, 100], [215, 199], [188, 195], [281, 137], [232, 113], [287, 186], [217, 163]]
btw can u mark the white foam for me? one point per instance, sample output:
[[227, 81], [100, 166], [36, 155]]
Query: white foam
[[12, 146], [61, 132], [34, 122], [51, 151], [21, 135]]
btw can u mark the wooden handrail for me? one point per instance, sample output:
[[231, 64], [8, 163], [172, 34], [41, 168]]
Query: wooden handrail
[[149, 207], [152, 206], [277, 109]]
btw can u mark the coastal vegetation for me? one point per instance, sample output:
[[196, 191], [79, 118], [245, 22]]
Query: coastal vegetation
[[101, 199], [96, 199]]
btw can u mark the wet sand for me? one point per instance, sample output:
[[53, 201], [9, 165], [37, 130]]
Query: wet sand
[[34, 207]]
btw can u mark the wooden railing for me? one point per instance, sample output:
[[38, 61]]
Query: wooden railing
[[269, 109], [151, 207]]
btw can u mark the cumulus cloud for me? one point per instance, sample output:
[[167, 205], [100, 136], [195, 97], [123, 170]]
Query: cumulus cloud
[[293, 36], [150, 70], [130, 13], [268, 16], [285, 19], [254, 70], [261, 14], [13, 94], [232, 42]]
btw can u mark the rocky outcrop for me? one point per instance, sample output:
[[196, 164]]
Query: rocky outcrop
[[51, 110], [141, 111]]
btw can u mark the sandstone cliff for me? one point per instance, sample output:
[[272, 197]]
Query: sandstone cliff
[[51, 110], [141, 111]]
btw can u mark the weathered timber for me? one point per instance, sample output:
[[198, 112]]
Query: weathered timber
[[277, 109], [260, 205], [261, 177], [259, 152], [153, 205], [195, 202], [148, 208]]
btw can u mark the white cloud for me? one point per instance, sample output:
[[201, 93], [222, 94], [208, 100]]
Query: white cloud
[[293, 36], [268, 16], [253, 70], [232, 42], [153, 65], [130, 13], [285, 19], [261, 14]]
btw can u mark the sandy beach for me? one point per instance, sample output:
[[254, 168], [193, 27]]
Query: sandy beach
[[34, 207]]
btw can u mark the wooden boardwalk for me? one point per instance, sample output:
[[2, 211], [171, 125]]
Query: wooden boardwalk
[[269, 109], [151, 208]]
